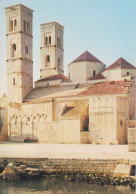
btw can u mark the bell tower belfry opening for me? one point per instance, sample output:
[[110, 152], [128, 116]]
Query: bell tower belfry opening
[[19, 51], [51, 49]]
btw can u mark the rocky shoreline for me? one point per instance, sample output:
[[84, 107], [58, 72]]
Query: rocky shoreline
[[15, 171]]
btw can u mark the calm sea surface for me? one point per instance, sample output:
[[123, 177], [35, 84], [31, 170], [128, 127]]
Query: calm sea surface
[[49, 186]]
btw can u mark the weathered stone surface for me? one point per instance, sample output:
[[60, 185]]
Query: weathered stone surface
[[9, 173]]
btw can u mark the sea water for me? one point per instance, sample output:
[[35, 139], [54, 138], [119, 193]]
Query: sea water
[[56, 186]]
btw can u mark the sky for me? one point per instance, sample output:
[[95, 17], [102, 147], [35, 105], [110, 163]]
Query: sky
[[106, 28]]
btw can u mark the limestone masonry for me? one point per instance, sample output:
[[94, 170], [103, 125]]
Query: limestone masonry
[[93, 105]]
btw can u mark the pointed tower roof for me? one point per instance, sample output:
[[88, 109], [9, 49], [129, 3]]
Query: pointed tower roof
[[86, 56], [120, 64]]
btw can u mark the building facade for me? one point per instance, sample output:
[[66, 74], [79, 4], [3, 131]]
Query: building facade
[[19, 52], [92, 105]]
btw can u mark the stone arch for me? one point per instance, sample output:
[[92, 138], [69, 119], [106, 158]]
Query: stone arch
[[28, 119], [40, 118], [18, 120], [45, 117], [23, 120], [12, 120], [34, 119]]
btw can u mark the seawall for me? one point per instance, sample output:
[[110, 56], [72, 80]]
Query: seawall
[[106, 166]]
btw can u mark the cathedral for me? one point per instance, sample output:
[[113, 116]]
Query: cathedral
[[92, 105]]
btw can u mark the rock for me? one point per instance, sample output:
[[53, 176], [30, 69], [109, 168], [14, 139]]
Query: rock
[[23, 166], [10, 164], [9, 173]]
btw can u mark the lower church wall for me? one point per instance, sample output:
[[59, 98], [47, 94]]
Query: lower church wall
[[65, 131]]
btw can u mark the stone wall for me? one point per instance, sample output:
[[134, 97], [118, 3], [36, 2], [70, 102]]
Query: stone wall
[[110, 74], [3, 119], [81, 71], [121, 120], [3, 125], [108, 115], [102, 119], [36, 121], [132, 139], [89, 165], [132, 101]]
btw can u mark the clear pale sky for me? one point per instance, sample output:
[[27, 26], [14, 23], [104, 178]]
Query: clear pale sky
[[106, 28]]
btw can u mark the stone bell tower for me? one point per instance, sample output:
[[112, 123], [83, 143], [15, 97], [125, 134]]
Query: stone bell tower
[[51, 49], [19, 51]]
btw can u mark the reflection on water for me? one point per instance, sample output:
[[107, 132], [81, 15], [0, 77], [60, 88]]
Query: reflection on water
[[49, 186]]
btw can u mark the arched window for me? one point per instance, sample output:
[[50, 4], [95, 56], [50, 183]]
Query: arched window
[[14, 81], [24, 26], [127, 73], [27, 27], [46, 40], [13, 47], [11, 25], [58, 62], [94, 73], [47, 61], [58, 42], [49, 39], [26, 50], [15, 24]]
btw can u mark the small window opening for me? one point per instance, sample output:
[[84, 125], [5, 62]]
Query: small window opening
[[121, 123], [24, 26], [58, 42], [47, 61], [26, 50], [46, 40], [14, 82], [49, 39], [94, 73], [127, 73], [58, 62], [27, 27], [11, 25], [15, 24], [13, 50]]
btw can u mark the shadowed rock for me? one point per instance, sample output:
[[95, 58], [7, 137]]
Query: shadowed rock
[[9, 173]]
